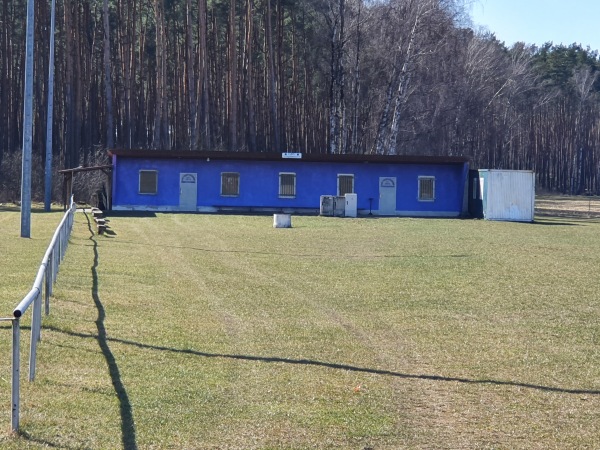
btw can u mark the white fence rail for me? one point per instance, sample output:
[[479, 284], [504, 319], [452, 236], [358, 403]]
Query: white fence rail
[[42, 288]]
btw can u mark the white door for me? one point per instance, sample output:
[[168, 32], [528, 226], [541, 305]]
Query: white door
[[188, 191], [387, 196]]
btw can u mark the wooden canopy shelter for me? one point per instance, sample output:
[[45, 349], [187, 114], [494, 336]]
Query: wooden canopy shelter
[[69, 174]]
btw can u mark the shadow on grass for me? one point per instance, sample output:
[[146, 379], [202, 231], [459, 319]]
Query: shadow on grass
[[130, 214], [34, 209], [43, 443], [9, 208], [550, 222], [128, 437], [577, 217], [337, 366], [109, 233]]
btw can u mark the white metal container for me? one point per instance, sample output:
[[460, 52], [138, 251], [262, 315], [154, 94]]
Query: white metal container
[[282, 221], [508, 194]]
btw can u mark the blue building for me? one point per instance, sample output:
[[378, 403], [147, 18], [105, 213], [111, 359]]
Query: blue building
[[420, 186]]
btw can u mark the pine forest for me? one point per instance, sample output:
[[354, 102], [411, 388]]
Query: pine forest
[[314, 76]]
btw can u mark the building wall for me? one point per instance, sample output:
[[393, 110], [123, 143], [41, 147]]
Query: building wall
[[259, 184]]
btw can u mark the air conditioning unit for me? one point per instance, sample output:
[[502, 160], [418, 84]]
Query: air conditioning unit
[[333, 206], [326, 205]]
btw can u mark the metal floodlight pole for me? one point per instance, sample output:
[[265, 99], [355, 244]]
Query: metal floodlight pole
[[27, 126], [49, 121]]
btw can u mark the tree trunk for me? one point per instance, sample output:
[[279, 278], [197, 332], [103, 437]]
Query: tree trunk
[[233, 79], [382, 128], [110, 140], [160, 139], [272, 83], [336, 89], [249, 77], [203, 82], [404, 81], [356, 92], [69, 158], [190, 95]]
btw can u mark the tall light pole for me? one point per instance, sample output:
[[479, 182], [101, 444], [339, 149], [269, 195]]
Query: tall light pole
[[27, 125], [48, 170]]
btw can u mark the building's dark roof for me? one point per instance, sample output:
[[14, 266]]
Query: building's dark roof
[[306, 157]]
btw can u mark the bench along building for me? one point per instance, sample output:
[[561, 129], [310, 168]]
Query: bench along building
[[417, 186]]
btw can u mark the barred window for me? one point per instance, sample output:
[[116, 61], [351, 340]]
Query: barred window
[[345, 184], [148, 182], [230, 184], [426, 189], [287, 185]]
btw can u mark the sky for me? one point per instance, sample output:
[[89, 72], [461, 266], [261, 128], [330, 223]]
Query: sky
[[540, 21]]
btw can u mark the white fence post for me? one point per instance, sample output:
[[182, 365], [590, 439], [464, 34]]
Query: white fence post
[[16, 368], [36, 322], [48, 285]]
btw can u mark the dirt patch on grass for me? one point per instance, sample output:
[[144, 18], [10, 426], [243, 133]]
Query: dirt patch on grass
[[568, 206]]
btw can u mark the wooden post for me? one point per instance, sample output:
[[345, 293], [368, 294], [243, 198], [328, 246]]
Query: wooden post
[[64, 189]]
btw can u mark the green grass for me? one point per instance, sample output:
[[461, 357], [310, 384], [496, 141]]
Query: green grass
[[204, 331], [20, 258]]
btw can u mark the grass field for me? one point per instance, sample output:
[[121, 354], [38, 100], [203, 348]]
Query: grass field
[[203, 331]]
